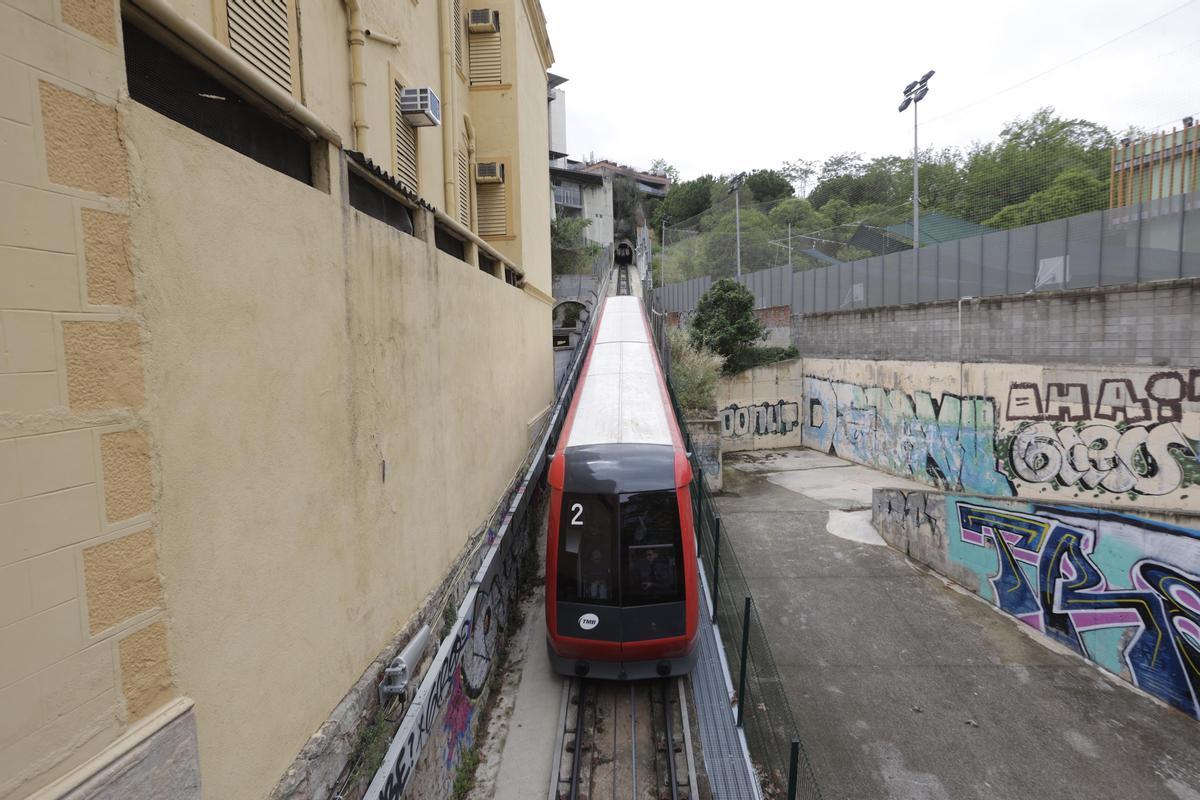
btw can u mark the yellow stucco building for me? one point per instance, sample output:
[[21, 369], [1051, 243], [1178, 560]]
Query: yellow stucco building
[[271, 346]]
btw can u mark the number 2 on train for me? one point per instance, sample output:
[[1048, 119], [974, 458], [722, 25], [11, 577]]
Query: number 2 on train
[[577, 513]]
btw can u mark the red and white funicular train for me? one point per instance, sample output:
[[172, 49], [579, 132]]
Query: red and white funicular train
[[621, 584]]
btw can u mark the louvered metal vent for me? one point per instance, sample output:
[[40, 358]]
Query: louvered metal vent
[[457, 13], [493, 209], [258, 32], [483, 20], [464, 190], [485, 59], [406, 146]]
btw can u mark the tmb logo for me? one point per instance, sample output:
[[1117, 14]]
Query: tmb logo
[[588, 621]]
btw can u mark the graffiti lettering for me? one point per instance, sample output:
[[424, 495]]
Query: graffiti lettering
[[779, 417], [1115, 400], [1145, 459], [1050, 574], [948, 441]]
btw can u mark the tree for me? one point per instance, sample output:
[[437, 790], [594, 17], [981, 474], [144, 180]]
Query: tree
[[724, 322], [800, 214], [767, 185], [1072, 192], [660, 165], [1031, 153], [570, 252], [628, 213], [800, 172], [685, 200]]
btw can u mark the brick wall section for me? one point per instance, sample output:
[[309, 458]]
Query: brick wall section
[[82, 626], [775, 316], [1150, 324]]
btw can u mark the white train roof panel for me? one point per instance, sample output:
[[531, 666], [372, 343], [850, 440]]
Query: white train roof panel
[[621, 401]]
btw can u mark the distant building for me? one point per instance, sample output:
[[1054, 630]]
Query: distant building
[[576, 191], [651, 183], [1161, 165]]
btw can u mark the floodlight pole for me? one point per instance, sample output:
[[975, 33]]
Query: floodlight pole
[[914, 93], [916, 184]]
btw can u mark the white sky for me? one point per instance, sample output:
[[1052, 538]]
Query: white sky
[[724, 87]]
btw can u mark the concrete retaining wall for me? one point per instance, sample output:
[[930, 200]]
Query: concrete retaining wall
[[1120, 590], [1124, 436], [1130, 324]]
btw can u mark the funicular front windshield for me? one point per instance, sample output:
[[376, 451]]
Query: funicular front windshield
[[642, 565], [651, 562]]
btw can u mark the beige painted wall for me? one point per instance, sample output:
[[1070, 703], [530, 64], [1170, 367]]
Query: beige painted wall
[[1121, 436], [276, 391], [202, 366]]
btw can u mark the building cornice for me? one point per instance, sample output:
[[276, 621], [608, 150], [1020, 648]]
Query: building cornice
[[537, 22]]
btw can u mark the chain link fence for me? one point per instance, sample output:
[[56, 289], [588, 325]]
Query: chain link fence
[[763, 712]]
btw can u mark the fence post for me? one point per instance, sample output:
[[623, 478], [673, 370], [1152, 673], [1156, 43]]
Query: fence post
[[793, 765], [716, 566], [745, 653]]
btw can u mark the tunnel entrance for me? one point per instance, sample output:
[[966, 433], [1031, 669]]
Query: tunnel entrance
[[624, 254]]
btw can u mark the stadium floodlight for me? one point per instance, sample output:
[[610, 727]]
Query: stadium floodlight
[[914, 93]]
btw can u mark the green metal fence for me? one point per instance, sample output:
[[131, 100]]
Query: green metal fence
[[762, 710]]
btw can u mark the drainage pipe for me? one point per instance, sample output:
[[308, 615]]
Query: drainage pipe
[[447, 103], [357, 37], [960, 302], [191, 34]]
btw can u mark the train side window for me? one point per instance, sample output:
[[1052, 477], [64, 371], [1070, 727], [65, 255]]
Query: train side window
[[586, 549], [651, 560]]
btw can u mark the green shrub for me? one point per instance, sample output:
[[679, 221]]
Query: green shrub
[[757, 357], [725, 323], [694, 374]]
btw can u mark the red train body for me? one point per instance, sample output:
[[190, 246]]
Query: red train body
[[621, 582]]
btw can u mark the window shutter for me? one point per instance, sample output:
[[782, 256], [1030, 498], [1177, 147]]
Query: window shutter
[[406, 147], [464, 190], [258, 32], [457, 11], [493, 209], [485, 59]]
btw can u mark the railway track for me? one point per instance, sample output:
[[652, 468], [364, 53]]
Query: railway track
[[622, 280], [623, 740]]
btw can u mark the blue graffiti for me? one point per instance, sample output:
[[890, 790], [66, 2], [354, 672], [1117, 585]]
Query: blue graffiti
[[1047, 576], [948, 442]]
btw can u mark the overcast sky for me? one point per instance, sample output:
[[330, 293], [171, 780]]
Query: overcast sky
[[749, 84]]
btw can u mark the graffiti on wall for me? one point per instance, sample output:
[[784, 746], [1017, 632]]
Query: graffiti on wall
[[1120, 590], [948, 441], [456, 685], [1118, 439], [763, 419]]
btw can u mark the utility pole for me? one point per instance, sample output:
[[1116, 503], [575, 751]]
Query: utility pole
[[737, 225], [662, 254], [914, 93], [789, 244], [737, 217]]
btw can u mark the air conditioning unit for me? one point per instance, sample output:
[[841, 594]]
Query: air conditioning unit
[[483, 20], [489, 172], [421, 107]]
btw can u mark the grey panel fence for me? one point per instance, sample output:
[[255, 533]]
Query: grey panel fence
[[1151, 241]]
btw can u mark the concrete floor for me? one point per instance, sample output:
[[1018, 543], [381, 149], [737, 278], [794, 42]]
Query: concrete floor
[[905, 687]]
